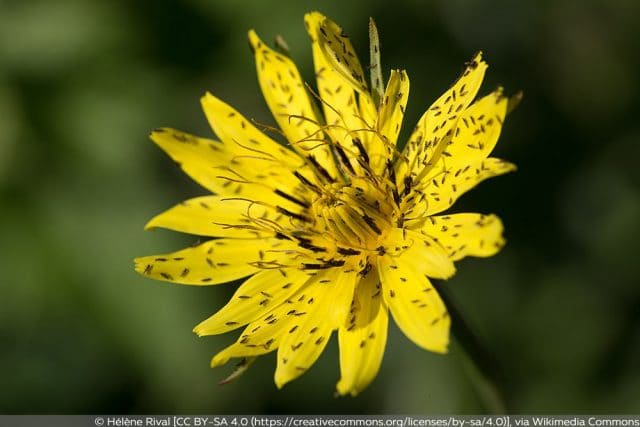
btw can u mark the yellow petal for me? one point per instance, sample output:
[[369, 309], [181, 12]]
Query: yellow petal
[[242, 138], [362, 340], [474, 137], [339, 103], [216, 216], [265, 334], [389, 121], [336, 84], [415, 305], [198, 157], [392, 107], [225, 172], [339, 98], [419, 253], [257, 296], [439, 190], [374, 145], [236, 351], [341, 284], [287, 99], [213, 262], [437, 123], [328, 299], [477, 131], [339, 52], [466, 234], [240, 349]]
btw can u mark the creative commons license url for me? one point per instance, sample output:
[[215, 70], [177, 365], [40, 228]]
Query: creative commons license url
[[365, 421]]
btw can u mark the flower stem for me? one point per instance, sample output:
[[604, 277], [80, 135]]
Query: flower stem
[[481, 367]]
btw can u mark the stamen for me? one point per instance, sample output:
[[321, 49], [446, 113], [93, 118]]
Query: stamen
[[292, 214], [255, 150], [306, 182], [371, 223], [344, 158], [363, 152], [264, 127], [292, 199], [320, 169]]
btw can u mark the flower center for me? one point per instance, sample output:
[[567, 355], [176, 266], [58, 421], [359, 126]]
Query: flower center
[[355, 215]]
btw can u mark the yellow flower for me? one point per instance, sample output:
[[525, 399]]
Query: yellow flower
[[341, 228]]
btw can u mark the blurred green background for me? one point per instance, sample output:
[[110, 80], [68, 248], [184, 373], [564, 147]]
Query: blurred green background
[[83, 81]]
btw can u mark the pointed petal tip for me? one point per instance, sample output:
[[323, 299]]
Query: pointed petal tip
[[343, 389], [450, 273], [157, 133], [444, 350], [198, 330], [477, 61], [201, 329], [138, 266], [154, 223], [313, 14], [441, 345], [282, 377], [218, 360], [280, 382], [254, 40], [208, 101], [437, 347], [312, 21], [207, 97]]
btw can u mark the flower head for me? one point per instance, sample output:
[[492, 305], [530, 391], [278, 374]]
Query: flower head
[[340, 228]]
